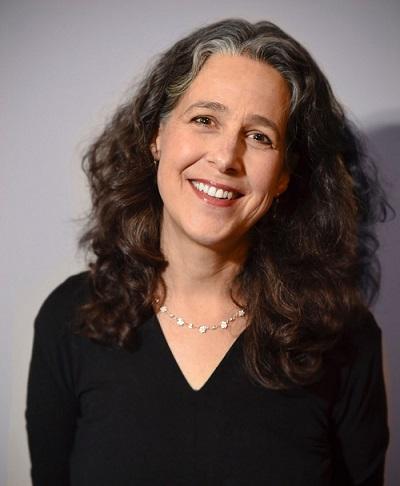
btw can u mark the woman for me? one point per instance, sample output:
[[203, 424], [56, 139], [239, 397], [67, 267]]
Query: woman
[[222, 334]]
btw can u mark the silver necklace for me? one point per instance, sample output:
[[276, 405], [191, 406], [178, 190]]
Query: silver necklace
[[203, 328]]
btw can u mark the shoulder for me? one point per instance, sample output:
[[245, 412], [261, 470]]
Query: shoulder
[[60, 307], [74, 287], [357, 359], [356, 352], [363, 337]]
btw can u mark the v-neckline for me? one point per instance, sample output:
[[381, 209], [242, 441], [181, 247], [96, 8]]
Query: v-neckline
[[213, 375]]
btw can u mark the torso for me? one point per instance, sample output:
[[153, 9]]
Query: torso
[[198, 355], [130, 417]]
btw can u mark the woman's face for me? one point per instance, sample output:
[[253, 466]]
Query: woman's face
[[226, 132]]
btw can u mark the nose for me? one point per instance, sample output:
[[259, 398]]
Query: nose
[[226, 152]]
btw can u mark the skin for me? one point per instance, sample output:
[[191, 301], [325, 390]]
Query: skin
[[204, 244], [225, 146]]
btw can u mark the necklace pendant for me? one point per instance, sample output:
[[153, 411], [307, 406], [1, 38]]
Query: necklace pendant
[[203, 329], [180, 321], [224, 324]]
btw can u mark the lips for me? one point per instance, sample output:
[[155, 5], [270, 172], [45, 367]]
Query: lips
[[218, 185]]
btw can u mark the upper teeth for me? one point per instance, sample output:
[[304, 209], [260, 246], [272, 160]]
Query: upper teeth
[[212, 191]]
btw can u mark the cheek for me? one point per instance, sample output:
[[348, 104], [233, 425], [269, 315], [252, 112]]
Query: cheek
[[266, 174], [263, 184], [178, 152]]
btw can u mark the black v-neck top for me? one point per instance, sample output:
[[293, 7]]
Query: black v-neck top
[[101, 416]]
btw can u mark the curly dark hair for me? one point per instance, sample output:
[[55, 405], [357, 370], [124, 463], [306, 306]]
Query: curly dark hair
[[310, 270]]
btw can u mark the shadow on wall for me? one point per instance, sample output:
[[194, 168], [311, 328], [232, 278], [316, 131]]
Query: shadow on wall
[[383, 143]]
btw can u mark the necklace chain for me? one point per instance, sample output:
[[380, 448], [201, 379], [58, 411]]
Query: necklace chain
[[203, 328]]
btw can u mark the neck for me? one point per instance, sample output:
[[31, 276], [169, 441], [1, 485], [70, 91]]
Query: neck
[[198, 275]]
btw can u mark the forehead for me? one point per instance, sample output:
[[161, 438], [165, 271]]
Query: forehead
[[239, 82]]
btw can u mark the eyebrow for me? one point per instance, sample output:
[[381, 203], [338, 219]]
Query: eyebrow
[[254, 118], [212, 105]]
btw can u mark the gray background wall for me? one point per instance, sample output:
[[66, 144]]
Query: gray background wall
[[65, 65]]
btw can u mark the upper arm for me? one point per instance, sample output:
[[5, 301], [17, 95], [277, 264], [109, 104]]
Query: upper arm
[[52, 407], [360, 413]]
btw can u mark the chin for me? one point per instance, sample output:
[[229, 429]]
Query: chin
[[220, 243]]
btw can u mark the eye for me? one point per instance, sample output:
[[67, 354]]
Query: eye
[[202, 120], [261, 138]]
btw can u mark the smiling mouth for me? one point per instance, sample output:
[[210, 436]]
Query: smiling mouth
[[215, 192]]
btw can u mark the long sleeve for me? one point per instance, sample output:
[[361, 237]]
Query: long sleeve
[[97, 415], [52, 407], [360, 415]]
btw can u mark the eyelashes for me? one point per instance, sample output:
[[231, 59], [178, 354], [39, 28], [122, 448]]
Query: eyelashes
[[262, 138], [202, 120], [208, 122]]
